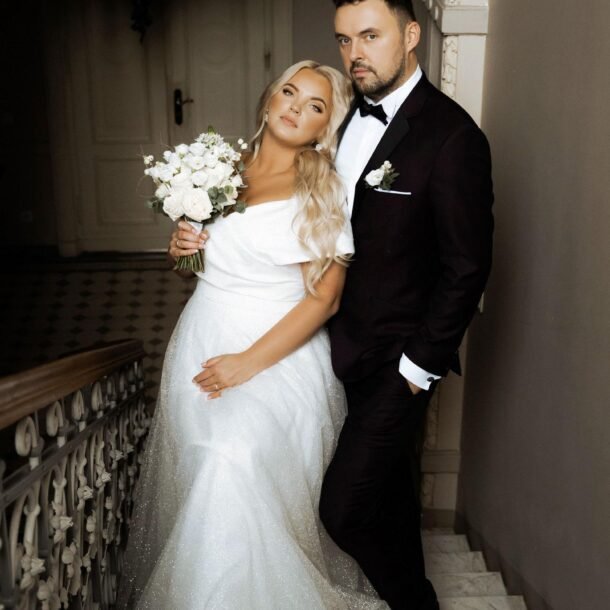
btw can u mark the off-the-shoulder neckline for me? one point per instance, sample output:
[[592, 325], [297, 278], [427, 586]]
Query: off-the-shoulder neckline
[[264, 203]]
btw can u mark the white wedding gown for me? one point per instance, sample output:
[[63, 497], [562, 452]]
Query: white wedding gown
[[226, 508]]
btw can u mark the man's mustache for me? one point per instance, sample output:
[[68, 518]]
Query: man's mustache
[[358, 64]]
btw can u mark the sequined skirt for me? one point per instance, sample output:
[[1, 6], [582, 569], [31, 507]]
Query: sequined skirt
[[226, 513]]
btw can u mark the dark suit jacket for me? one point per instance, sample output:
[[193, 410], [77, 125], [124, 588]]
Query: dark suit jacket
[[422, 260]]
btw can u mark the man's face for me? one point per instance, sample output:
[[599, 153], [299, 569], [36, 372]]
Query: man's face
[[373, 47]]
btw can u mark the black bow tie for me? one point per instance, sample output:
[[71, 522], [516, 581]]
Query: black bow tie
[[376, 111]]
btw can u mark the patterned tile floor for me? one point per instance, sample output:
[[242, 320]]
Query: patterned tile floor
[[49, 310]]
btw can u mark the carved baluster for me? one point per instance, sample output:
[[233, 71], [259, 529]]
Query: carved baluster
[[80, 493], [78, 410], [56, 424], [6, 566], [122, 385], [139, 370], [111, 392], [28, 442], [55, 516], [23, 536], [98, 404]]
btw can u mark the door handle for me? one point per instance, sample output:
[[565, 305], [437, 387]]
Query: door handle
[[178, 106]]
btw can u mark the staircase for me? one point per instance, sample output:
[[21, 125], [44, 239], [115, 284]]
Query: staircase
[[460, 576]]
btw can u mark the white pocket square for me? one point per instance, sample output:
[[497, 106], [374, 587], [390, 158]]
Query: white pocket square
[[393, 192]]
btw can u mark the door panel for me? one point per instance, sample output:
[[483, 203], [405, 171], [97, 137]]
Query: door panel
[[221, 67], [120, 112], [117, 94]]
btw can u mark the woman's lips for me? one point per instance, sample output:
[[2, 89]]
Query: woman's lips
[[288, 121]]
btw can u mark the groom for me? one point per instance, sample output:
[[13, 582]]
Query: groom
[[423, 230]]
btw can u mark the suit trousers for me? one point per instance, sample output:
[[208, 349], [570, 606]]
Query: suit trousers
[[370, 495]]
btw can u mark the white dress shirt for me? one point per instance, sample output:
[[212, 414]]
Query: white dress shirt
[[357, 146]]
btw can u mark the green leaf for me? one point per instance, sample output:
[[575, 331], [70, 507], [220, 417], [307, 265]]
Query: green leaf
[[156, 205]]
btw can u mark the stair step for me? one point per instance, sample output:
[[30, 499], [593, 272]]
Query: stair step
[[482, 603], [450, 563], [436, 531], [468, 584], [445, 543]]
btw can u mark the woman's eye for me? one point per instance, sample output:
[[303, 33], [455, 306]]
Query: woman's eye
[[287, 91], [316, 108]]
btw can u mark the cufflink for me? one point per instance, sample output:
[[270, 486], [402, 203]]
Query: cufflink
[[430, 379]]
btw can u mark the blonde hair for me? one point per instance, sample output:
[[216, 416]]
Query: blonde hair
[[319, 189]]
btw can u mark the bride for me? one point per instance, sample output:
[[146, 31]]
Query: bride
[[249, 410]]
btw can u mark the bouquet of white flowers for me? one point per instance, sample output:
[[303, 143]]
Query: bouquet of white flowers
[[197, 182]]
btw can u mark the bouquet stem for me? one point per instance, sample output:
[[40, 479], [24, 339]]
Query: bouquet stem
[[194, 263]]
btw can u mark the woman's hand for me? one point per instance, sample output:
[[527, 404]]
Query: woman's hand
[[224, 372], [186, 240]]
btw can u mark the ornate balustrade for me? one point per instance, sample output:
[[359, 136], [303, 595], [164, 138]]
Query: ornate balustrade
[[71, 437]]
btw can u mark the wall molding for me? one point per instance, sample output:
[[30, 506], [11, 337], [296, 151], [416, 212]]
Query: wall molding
[[459, 16], [454, 35], [441, 461]]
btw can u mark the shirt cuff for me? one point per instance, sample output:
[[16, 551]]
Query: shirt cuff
[[416, 375]]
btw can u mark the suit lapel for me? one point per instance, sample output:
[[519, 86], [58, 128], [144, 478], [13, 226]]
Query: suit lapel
[[397, 130]]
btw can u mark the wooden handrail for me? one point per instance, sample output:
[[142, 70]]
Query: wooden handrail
[[24, 393]]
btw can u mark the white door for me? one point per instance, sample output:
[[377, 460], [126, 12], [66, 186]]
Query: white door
[[117, 95]]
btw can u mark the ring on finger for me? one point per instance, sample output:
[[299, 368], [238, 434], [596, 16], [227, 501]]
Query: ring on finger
[[216, 387]]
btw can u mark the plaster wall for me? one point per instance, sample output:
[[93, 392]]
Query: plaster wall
[[535, 477]]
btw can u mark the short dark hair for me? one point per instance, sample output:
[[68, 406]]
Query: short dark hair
[[403, 7]]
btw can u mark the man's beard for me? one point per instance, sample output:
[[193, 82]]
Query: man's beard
[[379, 88]]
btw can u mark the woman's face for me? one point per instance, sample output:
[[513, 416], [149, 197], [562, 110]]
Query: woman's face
[[300, 111]]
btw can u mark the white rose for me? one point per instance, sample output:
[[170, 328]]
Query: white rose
[[182, 179], [165, 173], [197, 149], [196, 162], [211, 158], [199, 178], [214, 178], [148, 159], [167, 154], [162, 192], [375, 177], [218, 174], [197, 204], [236, 181], [174, 161], [182, 149], [172, 205]]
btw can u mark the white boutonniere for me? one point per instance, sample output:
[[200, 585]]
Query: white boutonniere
[[382, 177]]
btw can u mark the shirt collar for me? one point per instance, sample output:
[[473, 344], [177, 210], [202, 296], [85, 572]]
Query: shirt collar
[[393, 101]]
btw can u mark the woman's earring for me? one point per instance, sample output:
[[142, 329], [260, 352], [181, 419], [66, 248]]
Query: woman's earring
[[319, 148], [266, 118]]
